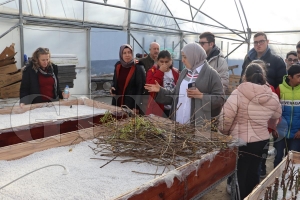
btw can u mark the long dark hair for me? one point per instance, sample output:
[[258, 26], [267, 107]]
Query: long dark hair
[[255, 74]]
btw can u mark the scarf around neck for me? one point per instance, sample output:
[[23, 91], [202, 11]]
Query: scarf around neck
[[49, 72]]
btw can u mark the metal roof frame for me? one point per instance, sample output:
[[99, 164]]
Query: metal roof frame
[[58, 22]]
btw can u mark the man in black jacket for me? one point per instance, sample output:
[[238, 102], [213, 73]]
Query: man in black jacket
[[276, 68], [298, 51]]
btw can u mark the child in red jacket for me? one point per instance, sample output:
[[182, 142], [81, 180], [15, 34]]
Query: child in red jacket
[[166, 76]]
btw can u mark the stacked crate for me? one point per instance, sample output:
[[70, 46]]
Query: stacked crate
[[234, 80], [10, 75], [66, 68]]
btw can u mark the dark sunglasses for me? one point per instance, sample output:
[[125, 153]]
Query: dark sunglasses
[[202, 43]]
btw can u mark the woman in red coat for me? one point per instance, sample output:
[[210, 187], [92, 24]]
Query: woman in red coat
[[166, 76]]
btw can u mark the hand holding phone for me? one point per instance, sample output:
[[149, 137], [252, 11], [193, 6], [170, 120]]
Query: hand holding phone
[[192, 86]]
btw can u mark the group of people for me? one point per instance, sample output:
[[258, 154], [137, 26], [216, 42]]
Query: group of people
[[267, 101]]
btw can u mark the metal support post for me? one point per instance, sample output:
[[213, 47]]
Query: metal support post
[[21, 32]]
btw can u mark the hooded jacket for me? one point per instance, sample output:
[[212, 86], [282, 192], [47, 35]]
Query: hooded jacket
[[290, 101], [247, 111], [217, 61], [276, 68]]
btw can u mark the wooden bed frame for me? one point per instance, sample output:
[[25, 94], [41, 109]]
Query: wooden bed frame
[[46, 129], [192, 185], [269, 180]]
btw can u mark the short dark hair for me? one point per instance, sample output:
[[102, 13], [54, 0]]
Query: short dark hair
[[164, 54], [255, 74], [298, 45], [259, 34], [294, 53], [294, 69], [209, 36]]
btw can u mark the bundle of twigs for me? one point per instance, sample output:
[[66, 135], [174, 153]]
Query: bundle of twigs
[[155, 140]]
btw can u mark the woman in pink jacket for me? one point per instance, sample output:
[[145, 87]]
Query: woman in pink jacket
[[246, 115]]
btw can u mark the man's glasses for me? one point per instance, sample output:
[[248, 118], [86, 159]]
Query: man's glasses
[[294, 60], [202, 43], [259, 42]]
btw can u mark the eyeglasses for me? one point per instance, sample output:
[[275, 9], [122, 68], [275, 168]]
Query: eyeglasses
[[202, 43], [294, 60], [259, 42]]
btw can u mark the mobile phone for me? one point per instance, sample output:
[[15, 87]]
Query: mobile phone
[[192, 86]]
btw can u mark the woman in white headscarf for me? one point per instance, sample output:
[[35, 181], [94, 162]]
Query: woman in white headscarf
[[199, 103]]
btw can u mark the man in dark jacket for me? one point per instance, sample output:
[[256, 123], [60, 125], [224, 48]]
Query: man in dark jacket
[[276, 68], [298, 51], [151, 59], [148, 63]]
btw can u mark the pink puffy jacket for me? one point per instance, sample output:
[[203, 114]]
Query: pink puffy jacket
[[248, 112]]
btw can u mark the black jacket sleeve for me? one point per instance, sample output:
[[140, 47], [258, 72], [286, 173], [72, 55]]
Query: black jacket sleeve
[[140, 83], [58, 89], [244, 66], [114, 84], [281, 71]]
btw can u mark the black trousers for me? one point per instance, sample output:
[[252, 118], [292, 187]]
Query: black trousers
[[249, 160]]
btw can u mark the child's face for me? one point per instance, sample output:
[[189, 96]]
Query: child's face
[[295, 80], [164, 61]]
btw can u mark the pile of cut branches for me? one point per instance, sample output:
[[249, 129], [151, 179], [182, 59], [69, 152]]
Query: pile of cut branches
[[155, 140]]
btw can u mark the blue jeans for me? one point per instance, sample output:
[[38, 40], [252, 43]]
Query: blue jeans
[[282, 143]]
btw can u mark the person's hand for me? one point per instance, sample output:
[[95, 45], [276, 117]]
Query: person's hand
[[297, 135], [152, 87], [66, 96], [164, 67], [112, 91], [275, 134], [194, 93], [21, 105]]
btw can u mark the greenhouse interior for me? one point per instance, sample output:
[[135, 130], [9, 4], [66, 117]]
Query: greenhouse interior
[[84, 38]]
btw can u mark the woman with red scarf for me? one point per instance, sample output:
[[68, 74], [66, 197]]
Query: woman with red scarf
[[128, 81]]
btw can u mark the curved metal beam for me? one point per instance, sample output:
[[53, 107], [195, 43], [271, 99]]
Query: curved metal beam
[[142, 11], [215, 20], [240, 17], [199, 9], [183, 31], [171, 14]]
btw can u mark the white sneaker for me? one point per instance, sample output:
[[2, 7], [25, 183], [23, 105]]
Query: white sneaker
[[228, 188]]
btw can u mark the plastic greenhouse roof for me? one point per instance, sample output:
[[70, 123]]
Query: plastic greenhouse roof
[[190, 16]]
